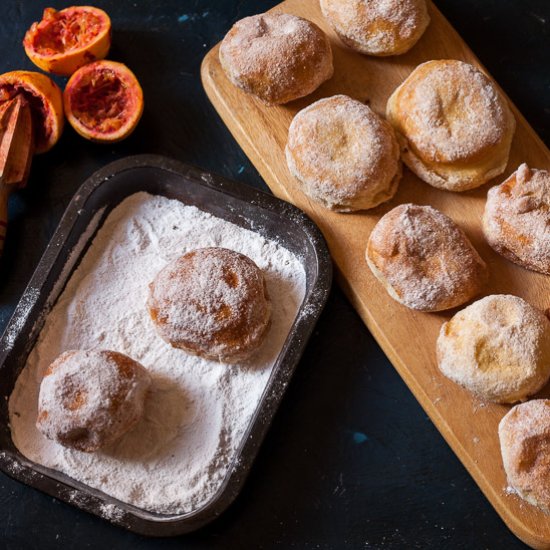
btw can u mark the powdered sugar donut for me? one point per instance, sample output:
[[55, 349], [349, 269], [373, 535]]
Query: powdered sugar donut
[[89, 399], [498, 348], [345, 156], [524, 435], [454, 126], [377, 27], [211, 302], [278, 57], [424, 260], [517, 217]]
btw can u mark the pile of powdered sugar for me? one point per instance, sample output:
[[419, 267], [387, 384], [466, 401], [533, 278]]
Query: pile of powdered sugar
[[198, 411]]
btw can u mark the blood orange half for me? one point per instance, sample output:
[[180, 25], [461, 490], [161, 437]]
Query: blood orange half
[[68, 39], [103, 101], [45, 100]]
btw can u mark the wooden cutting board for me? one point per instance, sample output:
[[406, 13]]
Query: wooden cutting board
[[407, 337]]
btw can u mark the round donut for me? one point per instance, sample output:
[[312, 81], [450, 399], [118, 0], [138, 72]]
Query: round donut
[[524, 435], [378, 28], [454, 127], [277, 57], [211, 302], [344, 155], [517, 217], [498, 348], [424, 260], [89, 399]]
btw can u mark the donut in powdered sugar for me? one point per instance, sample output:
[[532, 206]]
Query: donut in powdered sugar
[[89, 399], [211, 302]]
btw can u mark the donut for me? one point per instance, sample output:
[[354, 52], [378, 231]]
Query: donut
[[89, 399], [524, 434], [211, 302], [343, 154], [378, 28], [277, 57], [424, 260], [498, 348], [454, 127], [517, 217]]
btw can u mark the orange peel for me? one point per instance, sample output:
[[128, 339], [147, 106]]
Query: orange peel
[[45, 100], [63, 41], [103, 101]]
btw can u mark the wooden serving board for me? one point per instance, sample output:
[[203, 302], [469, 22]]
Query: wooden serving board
[[407, 337]]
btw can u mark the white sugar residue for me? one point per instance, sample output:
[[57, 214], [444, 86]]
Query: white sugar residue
[[198, 411], [111, 511], [27, 302], [74, 255], [31, 295]]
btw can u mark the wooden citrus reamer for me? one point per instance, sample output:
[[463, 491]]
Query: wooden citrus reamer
[[16, 151]]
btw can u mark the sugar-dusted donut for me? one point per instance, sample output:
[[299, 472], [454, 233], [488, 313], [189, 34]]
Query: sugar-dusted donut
[[211, 302], [524, 434], [373, 27], [455, 128], [424, 260], [344, 155], [517, 217], [277, 57], [498, 348], [89, 399]]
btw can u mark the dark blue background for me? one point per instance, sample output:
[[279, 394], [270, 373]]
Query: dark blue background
[[351, 460]]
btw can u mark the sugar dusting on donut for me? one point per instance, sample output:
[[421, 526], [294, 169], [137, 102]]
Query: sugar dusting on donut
[[425, 259], [380, 27], [524, 434], [212, 302], [498, 348], [88, 399], [454, 113], [346, 156], [516, 220], [276, 56]]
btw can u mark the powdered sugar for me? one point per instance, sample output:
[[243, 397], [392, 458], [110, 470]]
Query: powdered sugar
[[20, 318], [198, 411], [111, 511]]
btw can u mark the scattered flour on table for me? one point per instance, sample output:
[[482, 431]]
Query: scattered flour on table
[[198, 411]]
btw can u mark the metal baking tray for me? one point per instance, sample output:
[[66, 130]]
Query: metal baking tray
[[237, 203]]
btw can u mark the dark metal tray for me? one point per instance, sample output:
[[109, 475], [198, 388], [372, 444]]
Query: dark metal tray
[[237, 203]]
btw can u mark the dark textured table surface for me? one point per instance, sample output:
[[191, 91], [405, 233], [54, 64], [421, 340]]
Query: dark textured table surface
[[351, 460]]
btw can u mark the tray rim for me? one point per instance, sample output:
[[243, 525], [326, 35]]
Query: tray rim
[[80, 495]]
